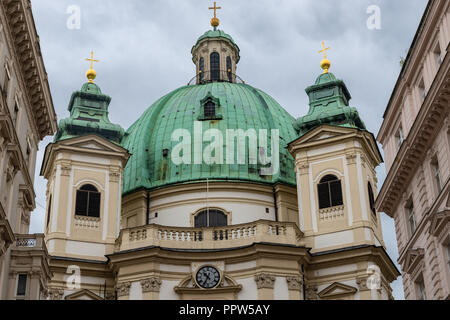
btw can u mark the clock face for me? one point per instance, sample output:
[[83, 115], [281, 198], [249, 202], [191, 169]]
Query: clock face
[[208, 277]]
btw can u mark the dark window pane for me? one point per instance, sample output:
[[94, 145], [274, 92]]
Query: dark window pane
[[336, 193], [210, 109], [328, 178], [22, 285], [229, 70], [371, 199], [81, 203], [324, 195], [202, 68], [200, 220], [49, 210], [89, 187], [94, 204], [220, 219], [215, 66]]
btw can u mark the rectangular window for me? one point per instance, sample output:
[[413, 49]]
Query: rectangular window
[[15, 115], [422, 91], [411, 218], [6, 81], [436, 174], [421, 292], [438, 55], [448, 255], [400, 138], [21, 285]]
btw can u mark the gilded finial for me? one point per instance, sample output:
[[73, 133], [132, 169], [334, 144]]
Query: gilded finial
[[215, 21], [325, 64], [91, 74]]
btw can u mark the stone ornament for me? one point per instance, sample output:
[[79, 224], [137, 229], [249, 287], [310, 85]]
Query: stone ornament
[[56, 294], [123, 289], [151, 284], [294, 283], [311, 292], [265, 281], [362, 284]]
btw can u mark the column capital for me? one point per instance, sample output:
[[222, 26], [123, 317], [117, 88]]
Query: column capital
[[152, 284], [123, 289], [295, 283], [264, 280]]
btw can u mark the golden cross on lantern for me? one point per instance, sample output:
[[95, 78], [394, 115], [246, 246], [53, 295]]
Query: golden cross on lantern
[[92, 60], [324, 51], [91, 74], [215, 8]]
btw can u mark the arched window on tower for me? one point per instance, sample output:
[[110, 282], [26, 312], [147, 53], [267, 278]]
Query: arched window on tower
[[229, 70], [49, 210], [215, 66], [210, 218], [201, 67], [371, 199], [88, 201], [330, 192]]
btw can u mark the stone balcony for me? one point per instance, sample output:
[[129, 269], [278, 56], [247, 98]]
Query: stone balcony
[[262, 231]]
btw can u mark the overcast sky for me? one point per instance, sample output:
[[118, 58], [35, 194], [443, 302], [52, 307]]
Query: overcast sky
[[144, 48]]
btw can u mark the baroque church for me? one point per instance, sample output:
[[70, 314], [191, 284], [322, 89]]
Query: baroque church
[[125, 221]]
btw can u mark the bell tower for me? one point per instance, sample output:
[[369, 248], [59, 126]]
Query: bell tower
[[215, 55], [335, 160], [84, 168]]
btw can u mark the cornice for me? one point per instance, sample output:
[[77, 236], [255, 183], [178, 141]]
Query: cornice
[[30, 62], [413, 150]]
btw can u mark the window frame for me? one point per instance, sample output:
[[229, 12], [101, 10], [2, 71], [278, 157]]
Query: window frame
[[214, 66], [411, 216], [19, 294], [208, 218], [88, 201], [331, 203], [371, 198]]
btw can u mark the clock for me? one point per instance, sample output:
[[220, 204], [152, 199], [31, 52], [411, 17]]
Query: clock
[[208, 277]]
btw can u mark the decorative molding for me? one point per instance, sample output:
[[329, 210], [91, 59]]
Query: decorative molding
[[56, 294], [336, 290], [362, 284], [123, 289], [311, 292], [265, 281], [295, 283], [152, 284]]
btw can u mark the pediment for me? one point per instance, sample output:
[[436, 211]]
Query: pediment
[[83, 295], [337, 290], [322, 133], [413, 258], [439, 222], [92, 142]]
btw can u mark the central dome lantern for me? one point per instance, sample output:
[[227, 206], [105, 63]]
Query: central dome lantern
[[215, 55]]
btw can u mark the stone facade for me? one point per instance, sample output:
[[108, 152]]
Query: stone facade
[[26, 117], [416, 140]]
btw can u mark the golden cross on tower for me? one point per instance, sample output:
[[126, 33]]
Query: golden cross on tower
[[325, 64], [215, 21], [91, 74]]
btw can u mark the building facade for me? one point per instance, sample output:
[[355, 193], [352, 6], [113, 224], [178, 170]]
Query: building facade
[[415, 136], [215, 192], [26, 117]]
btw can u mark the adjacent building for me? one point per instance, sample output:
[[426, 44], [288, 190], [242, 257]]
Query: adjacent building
[[26, 117], [415, 136]]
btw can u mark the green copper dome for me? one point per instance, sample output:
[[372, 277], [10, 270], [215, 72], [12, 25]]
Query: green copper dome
[[239, 106], [329, 104]]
